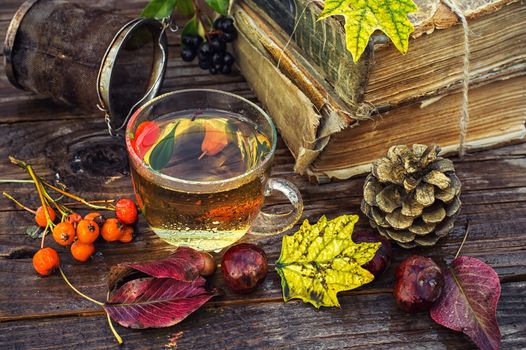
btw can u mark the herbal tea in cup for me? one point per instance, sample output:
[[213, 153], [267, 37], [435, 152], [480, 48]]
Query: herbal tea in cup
[[200, 163]]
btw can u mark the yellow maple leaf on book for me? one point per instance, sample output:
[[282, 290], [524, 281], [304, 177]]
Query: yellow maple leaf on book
[[363, 17]]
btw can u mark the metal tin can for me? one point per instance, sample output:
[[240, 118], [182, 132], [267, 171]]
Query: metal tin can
[[86, 57]]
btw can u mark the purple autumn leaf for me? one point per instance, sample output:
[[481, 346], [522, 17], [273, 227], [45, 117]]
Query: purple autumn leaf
[[469, 302], [156, 302], [184, 265]]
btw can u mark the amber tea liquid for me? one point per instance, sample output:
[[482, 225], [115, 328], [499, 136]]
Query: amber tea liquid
[[207, 146]]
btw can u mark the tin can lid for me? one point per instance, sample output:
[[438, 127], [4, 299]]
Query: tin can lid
[[120, 93]]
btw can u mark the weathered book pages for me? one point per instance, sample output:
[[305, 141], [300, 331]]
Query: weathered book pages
[[321, 132], [433, 63]]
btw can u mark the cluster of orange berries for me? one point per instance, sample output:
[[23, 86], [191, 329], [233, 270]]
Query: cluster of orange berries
[[81, 233]]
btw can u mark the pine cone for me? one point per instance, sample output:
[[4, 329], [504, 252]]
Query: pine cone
[[412, 195]]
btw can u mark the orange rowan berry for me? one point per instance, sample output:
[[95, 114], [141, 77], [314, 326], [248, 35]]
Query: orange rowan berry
[[127, 234], [126, 211], [97, 217], [45, 261], [82, 251], [40, 216], [87, 231], [74, 219], [111, 230], [64, 233]]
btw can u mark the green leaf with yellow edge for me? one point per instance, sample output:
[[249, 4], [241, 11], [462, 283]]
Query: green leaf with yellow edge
[[363, 17], [320, 260], [159, 9]]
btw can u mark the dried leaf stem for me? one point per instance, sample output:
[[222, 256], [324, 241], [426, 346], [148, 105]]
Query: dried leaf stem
[[115, 334], [76, 290], [463, 241]]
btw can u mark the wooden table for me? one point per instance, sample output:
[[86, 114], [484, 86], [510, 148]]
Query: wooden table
[[43, 313]]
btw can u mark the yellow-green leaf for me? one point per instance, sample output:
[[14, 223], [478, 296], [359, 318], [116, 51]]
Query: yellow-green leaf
[[363, 17], [320, 260]]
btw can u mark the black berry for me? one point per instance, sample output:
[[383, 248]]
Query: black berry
[[228, 58], [204, 64], [213, 70], [217, 57], [204, 52], [229, 37], [196, 41], [218, 22], [186, 40], [217, 45], [187, 54], [226, 69], [227, 25]]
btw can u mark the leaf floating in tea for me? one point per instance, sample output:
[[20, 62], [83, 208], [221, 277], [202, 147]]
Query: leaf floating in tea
[[145, 137], [216, 137], [320, 260], [162, 152]]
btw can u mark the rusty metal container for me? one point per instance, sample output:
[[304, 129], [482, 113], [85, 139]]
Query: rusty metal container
[[87, 57]]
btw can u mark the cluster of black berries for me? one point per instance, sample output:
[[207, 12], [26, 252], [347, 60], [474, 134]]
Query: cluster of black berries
[[212, 54]]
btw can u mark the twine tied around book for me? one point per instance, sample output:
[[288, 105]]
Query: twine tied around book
[[464, 115]]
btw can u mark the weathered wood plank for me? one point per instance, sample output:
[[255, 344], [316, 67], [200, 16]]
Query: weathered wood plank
[[496, 237], [364, 322], [50, 136]]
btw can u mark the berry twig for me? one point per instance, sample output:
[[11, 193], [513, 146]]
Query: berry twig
[[44, 202], [8, 196], [77, 198], [15, 181], [98, 201]]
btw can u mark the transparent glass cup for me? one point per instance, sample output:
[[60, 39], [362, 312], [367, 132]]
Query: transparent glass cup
[[210, 215]]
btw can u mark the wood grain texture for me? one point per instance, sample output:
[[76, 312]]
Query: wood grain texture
[[43, 313], [363, 322]]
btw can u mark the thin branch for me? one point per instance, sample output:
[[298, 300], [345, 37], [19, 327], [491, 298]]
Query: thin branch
[[77, 198], [7, 181], [8, 196]]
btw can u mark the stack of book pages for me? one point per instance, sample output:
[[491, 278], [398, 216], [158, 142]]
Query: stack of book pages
[[337, 116]]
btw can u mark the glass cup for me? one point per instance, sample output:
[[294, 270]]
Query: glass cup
[[209, 215]]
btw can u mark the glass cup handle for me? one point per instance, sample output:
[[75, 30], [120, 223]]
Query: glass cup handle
[[267, 224]]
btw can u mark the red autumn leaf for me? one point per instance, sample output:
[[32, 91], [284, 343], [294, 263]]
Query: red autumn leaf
[[156, 302], [159, 293], [469, 301], [183, 265], [145, 136]]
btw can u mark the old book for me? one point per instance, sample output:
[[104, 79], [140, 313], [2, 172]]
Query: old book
[[433, 63], [321, 130]]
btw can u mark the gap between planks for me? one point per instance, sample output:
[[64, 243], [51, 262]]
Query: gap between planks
[[210, 304], [226, 303]]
